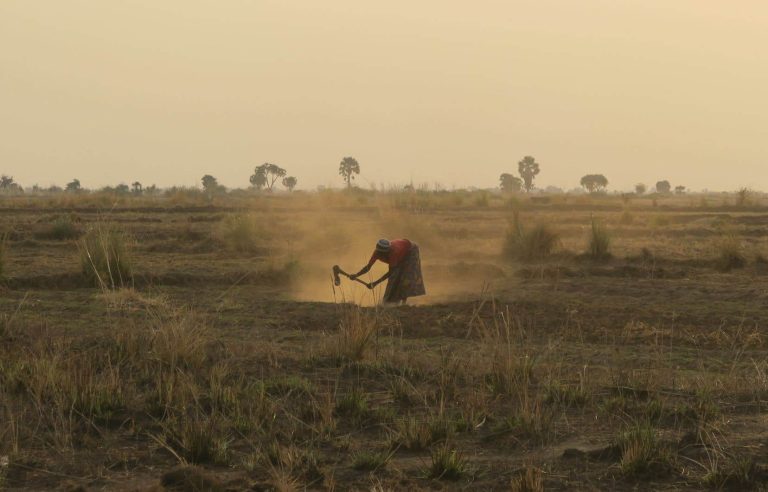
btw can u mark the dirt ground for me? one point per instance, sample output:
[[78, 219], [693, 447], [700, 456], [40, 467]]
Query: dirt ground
[[229, 361]]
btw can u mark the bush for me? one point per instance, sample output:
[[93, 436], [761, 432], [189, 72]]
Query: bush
[[528, 244], [599, 241], [104, 257]]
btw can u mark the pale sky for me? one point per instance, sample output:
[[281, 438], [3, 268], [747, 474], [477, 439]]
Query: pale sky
[[456, 92]]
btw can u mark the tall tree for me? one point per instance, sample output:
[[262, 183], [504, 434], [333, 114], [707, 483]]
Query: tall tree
[[258, 179], [594, 182], [348, 168], [290, 182], [266, 175], [510, 183], [663, 186], [640, 188], [528, 169], [210, 183], [73, 186], [7, 182], [680, 190], [137, 188]]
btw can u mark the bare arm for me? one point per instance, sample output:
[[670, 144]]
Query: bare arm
[[383, 278], [366, 269]]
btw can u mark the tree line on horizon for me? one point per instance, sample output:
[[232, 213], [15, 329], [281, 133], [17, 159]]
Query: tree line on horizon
[[266, 176], [528, 169]]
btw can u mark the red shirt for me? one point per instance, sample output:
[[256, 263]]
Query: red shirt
[[398, 250]]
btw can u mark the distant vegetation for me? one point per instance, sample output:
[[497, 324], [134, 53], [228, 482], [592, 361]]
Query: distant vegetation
[[663, 186], [266, 175], [594, 183], [348, 168], [529, 169], [510, 184]]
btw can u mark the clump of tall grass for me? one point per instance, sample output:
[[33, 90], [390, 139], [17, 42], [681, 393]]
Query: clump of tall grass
[[3, 253], [61, 229], [370, 461], [642, 453], [532, 243], [414, 434], [727, 472], [447, 464], [243, 233], [528, 480], [626, 218], [105, 258], [180, 341], [197, 438], [599, 244], [508, 368], [730, 253], [357, 330]]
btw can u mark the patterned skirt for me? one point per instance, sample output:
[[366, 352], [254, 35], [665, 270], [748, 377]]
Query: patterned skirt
[[406, 280]]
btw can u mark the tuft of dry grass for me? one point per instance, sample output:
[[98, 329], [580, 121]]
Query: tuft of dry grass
[[3, 253], [530, 479], [510, 368], [179, 340], [642, 453], [104, 257], [730, 253], [447, 464], [370, 461], [357, 331], [599, 244], [241, 233], [413, 434], [531, 243], [62, 229]]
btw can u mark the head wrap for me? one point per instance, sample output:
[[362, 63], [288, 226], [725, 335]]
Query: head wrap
[[382, 246]]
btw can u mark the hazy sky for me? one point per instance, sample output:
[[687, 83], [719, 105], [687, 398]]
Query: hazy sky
[[456, 92]]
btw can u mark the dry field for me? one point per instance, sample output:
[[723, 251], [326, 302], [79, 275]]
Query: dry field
[[216, 354]]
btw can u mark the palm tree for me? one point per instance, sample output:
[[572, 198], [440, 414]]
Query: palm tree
[[348, 168]]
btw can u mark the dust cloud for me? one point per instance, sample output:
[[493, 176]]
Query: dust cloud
[[455, 264]]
